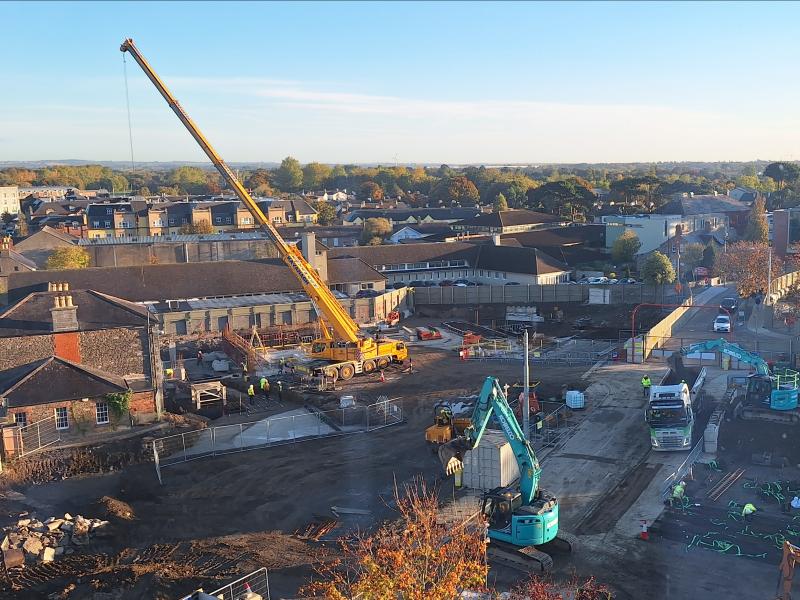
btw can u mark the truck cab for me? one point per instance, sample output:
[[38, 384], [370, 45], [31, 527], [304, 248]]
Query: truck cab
[[670, 416]]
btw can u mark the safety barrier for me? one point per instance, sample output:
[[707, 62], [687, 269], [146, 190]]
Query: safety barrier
[[305, 424]]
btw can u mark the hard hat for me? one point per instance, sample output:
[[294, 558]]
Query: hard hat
[[683, 482]]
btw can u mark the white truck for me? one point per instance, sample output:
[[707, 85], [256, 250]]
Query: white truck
[[670, 414]]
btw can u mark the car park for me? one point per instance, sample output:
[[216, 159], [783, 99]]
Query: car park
[[367, 294], [722, 324]]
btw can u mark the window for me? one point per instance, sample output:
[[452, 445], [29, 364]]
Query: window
[[184, 221], [96, 223], [218, 220], [246, 221], [101, 412], [62, 419], [227, 220], [21, 419], [367, 286], [172, 221], [109, 211]]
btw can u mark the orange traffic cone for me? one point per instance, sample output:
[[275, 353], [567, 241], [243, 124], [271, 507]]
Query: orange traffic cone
[[383, 377], [644, 534]]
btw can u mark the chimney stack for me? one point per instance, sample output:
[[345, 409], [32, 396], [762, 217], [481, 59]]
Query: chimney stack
[[64, 313]]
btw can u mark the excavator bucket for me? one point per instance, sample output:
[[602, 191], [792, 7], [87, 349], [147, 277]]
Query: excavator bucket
[[451, 455]]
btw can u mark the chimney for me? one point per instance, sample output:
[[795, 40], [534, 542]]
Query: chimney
[[496, 239], [64, 314]]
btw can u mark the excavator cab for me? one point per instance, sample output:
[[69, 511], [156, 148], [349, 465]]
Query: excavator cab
[[510, 521]]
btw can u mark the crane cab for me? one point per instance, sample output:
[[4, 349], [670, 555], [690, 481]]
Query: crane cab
[[511, 522]]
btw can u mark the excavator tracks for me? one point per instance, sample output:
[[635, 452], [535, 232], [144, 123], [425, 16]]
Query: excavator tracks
[[563, 543], [524, 559]]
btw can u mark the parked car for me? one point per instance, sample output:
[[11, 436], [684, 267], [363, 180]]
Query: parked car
[[513, 283], [612, 281], [398, 285], [598, 280], [464, 282], [447, 283], [628, 281], [722, 324], [729, 305], [416, 283], [367, 294]]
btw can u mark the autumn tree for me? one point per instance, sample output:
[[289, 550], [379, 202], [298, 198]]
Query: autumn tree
[[500, 203], [289, 176], [413, 558], [189, 180], [71, 257], [657, 269], [315, 175], [376, 229], [564, 197], [258, 182], [625, 246], [746, 263], [458, 191], [757, 226], [326, 214], [369, 190], [201, 227], [144, 191]]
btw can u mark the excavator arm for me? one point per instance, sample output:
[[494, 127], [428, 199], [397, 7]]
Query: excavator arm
[[492, 401], [330, 312], [733, 350]]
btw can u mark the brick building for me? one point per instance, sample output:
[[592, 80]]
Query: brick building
[[62, 351]]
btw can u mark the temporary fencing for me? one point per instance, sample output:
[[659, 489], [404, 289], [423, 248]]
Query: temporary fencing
[[37, 435], [256, 582], [294, 426]]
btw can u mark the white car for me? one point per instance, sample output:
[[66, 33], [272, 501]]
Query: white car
[[722, 324], [598, 280]]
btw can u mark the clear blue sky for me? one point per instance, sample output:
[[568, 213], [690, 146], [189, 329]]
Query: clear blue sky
[[423, 82]]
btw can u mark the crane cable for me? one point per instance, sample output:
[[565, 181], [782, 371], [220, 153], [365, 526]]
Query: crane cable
[[128, 105]]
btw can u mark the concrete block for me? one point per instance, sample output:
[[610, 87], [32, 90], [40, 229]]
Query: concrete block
[[48, 555], [55, 524], [32, 545], [13, 557]]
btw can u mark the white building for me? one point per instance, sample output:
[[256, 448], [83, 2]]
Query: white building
[[9, 199], [653, 230]]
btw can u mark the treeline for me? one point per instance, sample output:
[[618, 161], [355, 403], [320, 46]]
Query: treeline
[[565, 190]]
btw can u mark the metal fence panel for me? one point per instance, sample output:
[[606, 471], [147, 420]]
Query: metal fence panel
[[256, 582], [38, 435]]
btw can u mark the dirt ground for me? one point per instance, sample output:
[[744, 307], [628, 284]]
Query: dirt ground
[[180, 534]]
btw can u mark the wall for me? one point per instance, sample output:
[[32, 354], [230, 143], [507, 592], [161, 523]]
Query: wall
[[662, 330], [649, 228], [526, 294], [362, 310]]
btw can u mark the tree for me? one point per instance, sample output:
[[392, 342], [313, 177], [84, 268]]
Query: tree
[[709, 256], [757, 226], [7, 217], [315, 175], [71, 257], [657, 269], [746, 264], [692, 255], [189, 180], [782, 173], [500, 203], [414, 558], [625, 246], [370, 190], [458, 191], [256, 178], [565, 197], [144, 191], [201, 227], [326, 214], [376, 228], [289, 176]]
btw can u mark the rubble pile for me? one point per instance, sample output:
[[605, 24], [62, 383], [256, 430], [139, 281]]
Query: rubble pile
[[31, 540]]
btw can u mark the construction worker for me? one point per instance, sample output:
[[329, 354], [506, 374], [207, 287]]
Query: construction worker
[[677, 494], [169, 372], [244, 367], [748, 511], [646, 386], [264, 385], [251, 393]]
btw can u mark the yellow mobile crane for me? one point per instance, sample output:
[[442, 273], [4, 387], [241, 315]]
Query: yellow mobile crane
[[341, 342]]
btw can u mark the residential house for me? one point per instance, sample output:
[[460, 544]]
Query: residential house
[[744, 194], [709, 211], [38, 246], [9, 199], [293, 210], [66, 215], [507, 221], [62, 350], [423, 231], [111, 219], [12, 261], [653, 230]]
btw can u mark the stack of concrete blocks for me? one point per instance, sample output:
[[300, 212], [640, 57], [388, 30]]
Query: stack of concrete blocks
[[491, 465]]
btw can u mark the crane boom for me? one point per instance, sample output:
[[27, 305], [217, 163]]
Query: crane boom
[[328, 308], [731, 349]]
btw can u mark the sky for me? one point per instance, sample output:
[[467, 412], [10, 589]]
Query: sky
[[406, 82]]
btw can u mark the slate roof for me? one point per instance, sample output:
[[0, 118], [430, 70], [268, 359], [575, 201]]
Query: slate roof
[[62, 207], [702, 205], [43, 232], [150, 283], [483, 256], [18, 259], [55, 379], [31, 315], [100, 210], [509, 218]]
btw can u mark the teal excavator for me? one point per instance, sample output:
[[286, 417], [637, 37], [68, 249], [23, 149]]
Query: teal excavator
[[520, 517], [777, 388]]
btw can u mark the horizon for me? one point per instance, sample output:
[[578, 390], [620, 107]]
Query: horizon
[[428, 83]]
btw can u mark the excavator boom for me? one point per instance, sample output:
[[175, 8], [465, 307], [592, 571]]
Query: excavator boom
[[331, 313]]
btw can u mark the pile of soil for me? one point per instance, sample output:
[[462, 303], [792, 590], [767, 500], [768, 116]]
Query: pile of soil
[[112, 507]]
